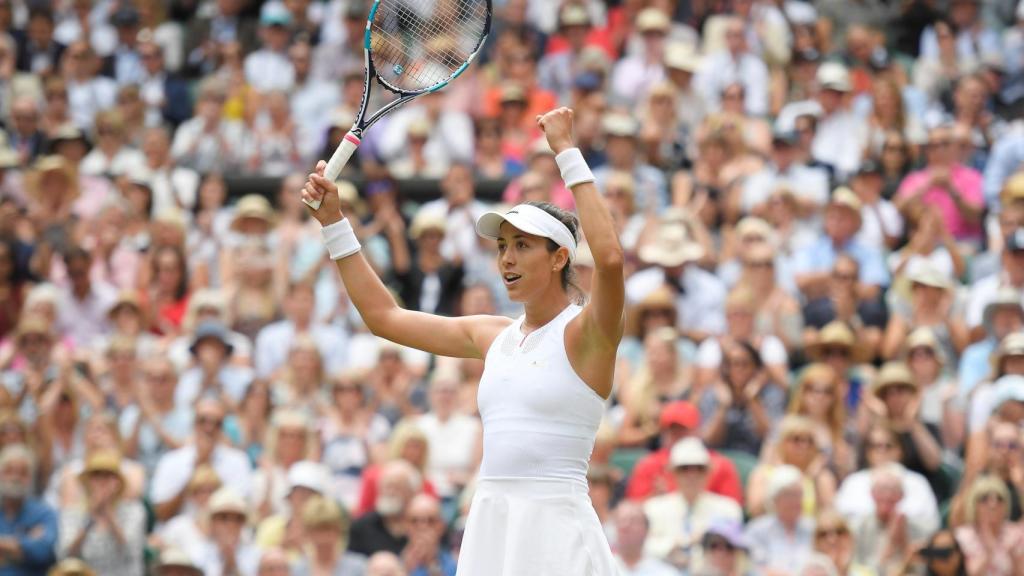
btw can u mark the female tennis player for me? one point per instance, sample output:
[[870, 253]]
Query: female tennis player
[[546, 374]]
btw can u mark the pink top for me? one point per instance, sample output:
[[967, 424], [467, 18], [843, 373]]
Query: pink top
[[967, 181], [1001, 556]]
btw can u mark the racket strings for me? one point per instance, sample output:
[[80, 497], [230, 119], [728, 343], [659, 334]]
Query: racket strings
[[414, 48]]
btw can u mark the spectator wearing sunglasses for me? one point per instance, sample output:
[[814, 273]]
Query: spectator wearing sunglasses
[[886, 535], [678, 520], [780, 541], [991, 544], [724, 550], [1004, 459], [881, 447], [942, 556], [833, 540]]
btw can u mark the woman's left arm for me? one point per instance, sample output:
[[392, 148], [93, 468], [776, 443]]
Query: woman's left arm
[[603, 315]]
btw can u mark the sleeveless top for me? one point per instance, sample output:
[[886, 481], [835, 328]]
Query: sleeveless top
[[539, 417]]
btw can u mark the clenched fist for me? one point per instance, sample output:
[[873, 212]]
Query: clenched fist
[[557, 126]]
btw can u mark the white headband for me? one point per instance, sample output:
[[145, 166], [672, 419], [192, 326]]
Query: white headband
[[531, 220]]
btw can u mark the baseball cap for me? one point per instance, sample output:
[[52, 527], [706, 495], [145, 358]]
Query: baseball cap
[[834, 76], [275, 14], [308, 474], [680, 413], [689, 452]]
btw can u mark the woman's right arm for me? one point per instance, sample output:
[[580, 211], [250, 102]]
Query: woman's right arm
[[463, 337]]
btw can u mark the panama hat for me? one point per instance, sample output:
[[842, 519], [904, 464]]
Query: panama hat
[[837, 333], [671, 247], [103, 462], [892, 374], [253, 206]]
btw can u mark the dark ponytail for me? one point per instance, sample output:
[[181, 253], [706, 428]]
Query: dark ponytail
[[573, 224]]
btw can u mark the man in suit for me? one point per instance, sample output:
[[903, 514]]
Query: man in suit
[[38, 52], [166, 95]]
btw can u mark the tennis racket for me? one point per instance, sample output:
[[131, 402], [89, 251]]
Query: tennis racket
[[412, 47]]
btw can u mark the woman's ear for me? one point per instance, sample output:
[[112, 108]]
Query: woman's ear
[[561, 258]]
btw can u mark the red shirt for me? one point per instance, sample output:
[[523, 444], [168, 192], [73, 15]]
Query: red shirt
[[368, 491], [652, 477]]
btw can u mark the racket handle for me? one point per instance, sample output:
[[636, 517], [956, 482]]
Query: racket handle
[[337, 162]]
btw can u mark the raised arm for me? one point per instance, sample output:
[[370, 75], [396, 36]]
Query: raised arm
[[602, 318], [464, 337]]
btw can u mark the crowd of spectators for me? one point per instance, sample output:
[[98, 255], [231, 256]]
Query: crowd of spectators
[[822, 208]]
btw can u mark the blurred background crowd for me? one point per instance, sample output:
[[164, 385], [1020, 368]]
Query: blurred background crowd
[[822, 207]]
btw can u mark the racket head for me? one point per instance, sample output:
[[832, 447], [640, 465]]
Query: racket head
[[419, 46]]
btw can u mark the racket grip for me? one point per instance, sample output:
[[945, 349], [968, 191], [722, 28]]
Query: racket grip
[[337, 162]]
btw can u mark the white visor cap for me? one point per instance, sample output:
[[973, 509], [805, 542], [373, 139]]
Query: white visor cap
[[531, 220]]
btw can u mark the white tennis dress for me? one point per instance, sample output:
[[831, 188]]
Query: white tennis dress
[[531, 514]]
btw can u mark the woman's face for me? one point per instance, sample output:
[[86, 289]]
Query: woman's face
[[657, 318], [306, 364], [924, 364], [881, 448], [897, 399], [740, 321], [258, 400], [740, 367], [291, 443], [799, 448], [415, 452], [818, 398], [526, 265], [168, 272], [212, 193], [348, 397], [990, 509], [834, 541], [102, 486], [661, 355], [943, 557]]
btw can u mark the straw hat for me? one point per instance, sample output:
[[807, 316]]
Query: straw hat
[[682, 56], [427, 220], [32, 324], [226, 501], [125, 298], [103, 462], [253, 206], [924, 337], [1006, 297], [652, 20], [174, 558], [50, 165], [928, 275], [892, 374], [671, 247], [71, 567], [1013, 189], [348, 194], [1011, 345], [846, 198], [837, 333]]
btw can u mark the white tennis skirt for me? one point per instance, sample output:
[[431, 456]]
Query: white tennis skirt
[[533, 527]]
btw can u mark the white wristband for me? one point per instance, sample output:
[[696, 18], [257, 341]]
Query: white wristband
[[340, 239], [573, 167]]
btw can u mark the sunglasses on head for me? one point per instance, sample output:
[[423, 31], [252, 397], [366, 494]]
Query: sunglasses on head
[[938, 552], [828, 532], [716, 544]]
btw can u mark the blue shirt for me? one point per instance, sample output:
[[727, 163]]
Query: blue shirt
[[35, 529], [975, 367], [1006, 158], [821, 255], [444, 561]]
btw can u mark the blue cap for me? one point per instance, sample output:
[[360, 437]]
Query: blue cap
[[275, 14], [588, 81]]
